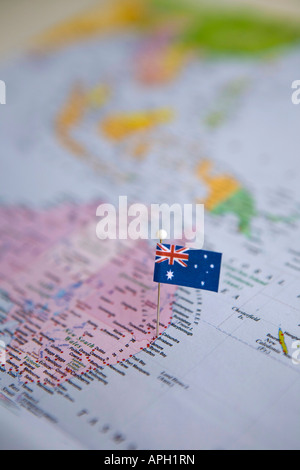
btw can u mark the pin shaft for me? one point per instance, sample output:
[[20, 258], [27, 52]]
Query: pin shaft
[[158, 307]]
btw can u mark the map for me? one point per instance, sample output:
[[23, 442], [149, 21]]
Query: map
[[164, 102]]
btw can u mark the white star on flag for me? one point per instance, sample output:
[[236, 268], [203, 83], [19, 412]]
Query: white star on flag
[[170, 274]]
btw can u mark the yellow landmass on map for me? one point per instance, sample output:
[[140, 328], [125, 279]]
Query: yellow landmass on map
[[282, 341], [221, 187], [104, 17], [121, 125], [97, 96]]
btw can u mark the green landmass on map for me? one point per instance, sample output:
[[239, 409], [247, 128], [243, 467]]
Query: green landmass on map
[[240, 204], [228, 30]]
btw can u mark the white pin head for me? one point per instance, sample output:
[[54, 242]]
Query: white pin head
[[161, 234]]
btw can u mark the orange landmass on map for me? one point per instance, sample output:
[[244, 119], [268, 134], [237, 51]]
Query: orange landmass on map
[[221, 187], [72, 112]]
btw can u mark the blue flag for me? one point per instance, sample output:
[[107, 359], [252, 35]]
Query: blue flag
[[187, 267]]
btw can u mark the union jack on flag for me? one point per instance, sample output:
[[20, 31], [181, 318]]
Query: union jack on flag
[[187, 267], [170, 254]]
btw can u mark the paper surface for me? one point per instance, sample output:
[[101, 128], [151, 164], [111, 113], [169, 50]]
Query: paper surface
[[131, 112]]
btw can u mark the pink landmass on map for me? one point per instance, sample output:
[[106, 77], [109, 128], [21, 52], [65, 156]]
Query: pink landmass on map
[[77, 303]]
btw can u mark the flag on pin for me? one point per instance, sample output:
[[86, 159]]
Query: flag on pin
[[187, 267]]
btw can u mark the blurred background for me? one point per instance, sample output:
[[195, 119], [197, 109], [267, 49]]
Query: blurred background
[[22, 20]]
